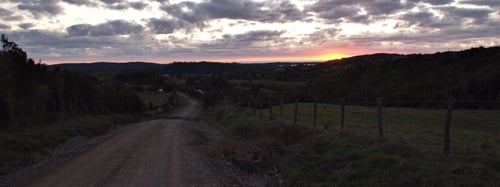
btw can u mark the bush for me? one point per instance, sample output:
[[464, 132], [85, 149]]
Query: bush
[[113, 101], [4, 113]]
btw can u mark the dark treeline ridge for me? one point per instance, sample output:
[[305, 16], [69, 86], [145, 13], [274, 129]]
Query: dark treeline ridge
[[227, 69], [472, 74], [182, 68], [409, 80], [31, 93], [109, 67]]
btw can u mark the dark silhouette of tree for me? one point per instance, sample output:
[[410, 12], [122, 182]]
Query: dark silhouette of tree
[[31, 94]]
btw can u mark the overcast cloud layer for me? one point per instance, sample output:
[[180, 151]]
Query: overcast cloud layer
[[59, 31]]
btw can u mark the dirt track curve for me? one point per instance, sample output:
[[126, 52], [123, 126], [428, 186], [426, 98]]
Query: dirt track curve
[[151, 153]]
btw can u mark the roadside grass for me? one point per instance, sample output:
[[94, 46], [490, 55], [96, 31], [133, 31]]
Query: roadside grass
[[410, 154], [20, 147], [24, 146]]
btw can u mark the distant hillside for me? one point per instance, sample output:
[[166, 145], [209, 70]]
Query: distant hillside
[[109, 66], [198, 68], [472, 74], [365, 59], [217, 68]]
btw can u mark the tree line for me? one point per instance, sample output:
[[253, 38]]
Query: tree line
[[405, 80], [471, 74], [32, 94]]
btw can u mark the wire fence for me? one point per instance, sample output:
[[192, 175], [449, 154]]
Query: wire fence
[[430, 122]]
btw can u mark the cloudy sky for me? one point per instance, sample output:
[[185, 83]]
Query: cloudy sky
[[66, 31]]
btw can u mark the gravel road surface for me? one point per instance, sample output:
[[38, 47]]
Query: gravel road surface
[[152, 153]]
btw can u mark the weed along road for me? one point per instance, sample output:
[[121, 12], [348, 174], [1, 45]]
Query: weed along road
[[152, 153]]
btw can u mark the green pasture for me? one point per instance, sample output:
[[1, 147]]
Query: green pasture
[[410, 153]]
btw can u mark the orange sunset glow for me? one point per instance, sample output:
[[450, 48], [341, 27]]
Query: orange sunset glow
[[331, 56]]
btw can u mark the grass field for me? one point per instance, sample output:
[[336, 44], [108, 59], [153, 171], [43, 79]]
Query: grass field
[[418, 126], [269, 83], [162, 100], [410, 154], [156, 98], [103, 76]]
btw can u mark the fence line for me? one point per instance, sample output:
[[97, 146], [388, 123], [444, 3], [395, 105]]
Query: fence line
[[380, 118], [379, 103]]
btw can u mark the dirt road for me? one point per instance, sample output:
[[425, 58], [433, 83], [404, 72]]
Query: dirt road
[[152, 153]]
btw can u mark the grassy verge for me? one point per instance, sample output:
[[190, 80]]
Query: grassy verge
[[22, 146], [409, 155]]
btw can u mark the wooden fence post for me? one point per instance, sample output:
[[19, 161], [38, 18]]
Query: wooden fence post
[[281, 106], [342, 110], [315, 112], [260, 109], [380, 119], [239, 104], [295, 111], [270, 110], [447, 124], [254, 106]]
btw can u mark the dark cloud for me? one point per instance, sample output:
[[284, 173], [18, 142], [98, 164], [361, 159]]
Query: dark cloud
[[26, 26], [159, 26], [38, 41], [327, 5], [250, 44], [467, 12], [81, 2], [490, 3], [427, 19], [4, 26], [176, 10], [344, 10], [8, 15], [110, 28], [111, 1], [338, 12], [453, 16], [322, 36], [41, 7], [423, 19], [433, 2], [445, 36], [47, 45], [256, 36], [250, 41], [384, 7], [138, 5], [438, 2], [284, 12], [231, 9], [118, 6]]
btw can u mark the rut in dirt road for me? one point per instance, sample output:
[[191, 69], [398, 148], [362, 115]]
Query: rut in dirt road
[[152, 153]]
